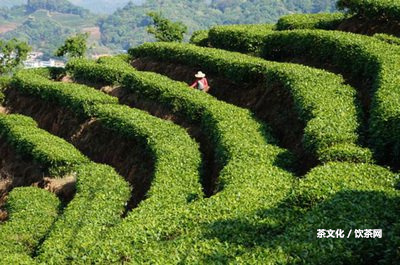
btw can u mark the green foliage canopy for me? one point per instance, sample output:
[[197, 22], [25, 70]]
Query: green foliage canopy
[[43, 33], [75, 46], [62, 6], [12, 54], [127, 26], [166, 30]]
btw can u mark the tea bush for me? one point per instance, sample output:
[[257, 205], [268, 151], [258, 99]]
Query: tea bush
[[322, 100]]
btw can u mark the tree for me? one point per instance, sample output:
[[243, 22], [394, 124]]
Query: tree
[[12, 54], [74, 46], [61, 6], [166, 30]]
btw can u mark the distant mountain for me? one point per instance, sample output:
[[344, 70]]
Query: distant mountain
[[10, 3], [104, 6], [43, 32], [60, 6], [46, 23], [127, 26], [95, 6]]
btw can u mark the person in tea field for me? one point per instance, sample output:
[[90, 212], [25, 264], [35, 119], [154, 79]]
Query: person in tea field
[[201, 82]]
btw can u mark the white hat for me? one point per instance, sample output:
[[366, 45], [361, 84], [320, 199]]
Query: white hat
[[200, 74]]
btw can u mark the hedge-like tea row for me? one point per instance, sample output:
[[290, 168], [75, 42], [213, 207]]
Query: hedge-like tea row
[[333, 196], [59, 156], [328, 21], [4, 81], [101, 196], [32, 212], [338, 196], [236, 224], [77, 97], [250, 38], [200, 37], [364, 59], [227, 230], [229, 225], [169, 144], [176, 175], [249, 179], [389, 9], [241, 38], [51, 152], [23, 134], [370, 59], [322, 99], [99, 185], [367, 190], [387, 38], [216, 118]]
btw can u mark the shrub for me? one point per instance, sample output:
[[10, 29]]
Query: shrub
[[361, 58], [322, 100], [100, 200], [224, 229], [169, 144], [74, 46], [4, 82], [341, 196], [78, 97], [244, 152], [176, 176], [47, 150], [164, 29], [372, 8], [98, 187], [327, 21], [32, 212], [240, 38], [199, 37], [98, 203], [387, 38], [48, 72]]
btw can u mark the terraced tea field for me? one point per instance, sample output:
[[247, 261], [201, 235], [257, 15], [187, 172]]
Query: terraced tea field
[[118, 161]]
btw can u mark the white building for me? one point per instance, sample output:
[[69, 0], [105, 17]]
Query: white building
[[36, 63]]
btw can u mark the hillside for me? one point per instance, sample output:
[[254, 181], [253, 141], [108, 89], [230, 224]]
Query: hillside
[[104, 6], [290, 156], [45, 32], [46, 24], [60, 6], [127, 26], [95, 6]]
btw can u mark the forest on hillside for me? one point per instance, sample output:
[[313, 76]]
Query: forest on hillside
[[44, 24], [126, 27]]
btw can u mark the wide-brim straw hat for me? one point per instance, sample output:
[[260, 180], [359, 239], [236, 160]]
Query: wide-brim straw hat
[[200, 74]]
